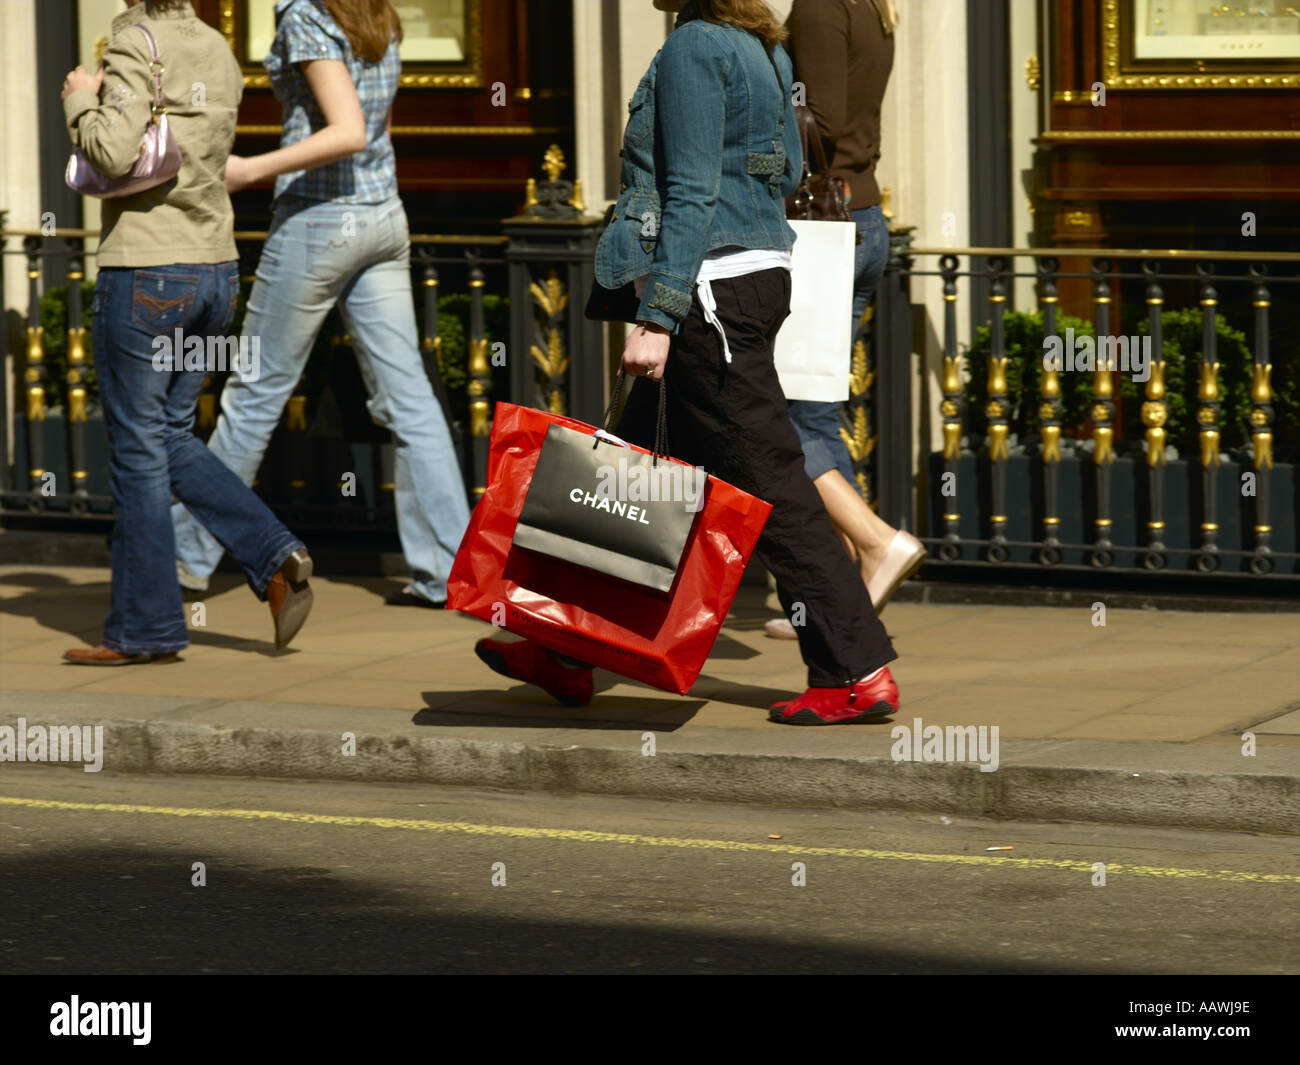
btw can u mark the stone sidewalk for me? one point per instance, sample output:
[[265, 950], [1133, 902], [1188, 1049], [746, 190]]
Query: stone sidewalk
[[1138, 720]]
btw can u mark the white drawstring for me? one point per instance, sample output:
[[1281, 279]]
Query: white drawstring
[[710, 306], [600, 434]]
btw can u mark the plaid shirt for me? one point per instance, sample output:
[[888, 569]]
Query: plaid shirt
[[305, 31]]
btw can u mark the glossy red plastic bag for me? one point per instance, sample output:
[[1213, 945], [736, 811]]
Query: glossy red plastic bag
[[612, 624]]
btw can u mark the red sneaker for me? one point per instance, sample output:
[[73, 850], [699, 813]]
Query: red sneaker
[[876, 697], [531, 662]]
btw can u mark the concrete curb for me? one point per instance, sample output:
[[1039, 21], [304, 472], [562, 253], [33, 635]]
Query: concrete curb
[[1037, 780]]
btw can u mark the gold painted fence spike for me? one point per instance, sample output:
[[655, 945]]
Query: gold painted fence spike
[[1260, 391], [951, 440], [1263, 450], [1156, 382], [951, 375], [296, 414], [1051, 443], [1209, 388], [998, 375]]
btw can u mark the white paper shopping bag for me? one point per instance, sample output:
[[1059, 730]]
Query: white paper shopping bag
[[813, 348]]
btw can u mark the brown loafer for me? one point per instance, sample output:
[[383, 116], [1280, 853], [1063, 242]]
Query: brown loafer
[[289, 597], [106, 656]]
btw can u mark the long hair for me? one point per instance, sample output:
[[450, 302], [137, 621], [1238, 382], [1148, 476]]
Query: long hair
[[753, 16], [888, 15], [369, 25]]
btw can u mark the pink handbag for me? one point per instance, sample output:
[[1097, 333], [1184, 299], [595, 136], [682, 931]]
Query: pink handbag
[[159, 159]]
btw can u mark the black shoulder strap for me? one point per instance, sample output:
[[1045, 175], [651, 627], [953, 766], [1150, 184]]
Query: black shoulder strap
[[809, 135]]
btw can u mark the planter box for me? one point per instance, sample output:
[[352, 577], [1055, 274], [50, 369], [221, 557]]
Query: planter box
[[1129, 509]]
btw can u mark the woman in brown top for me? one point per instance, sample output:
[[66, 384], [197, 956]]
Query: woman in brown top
[[843, 52], [164, 300]]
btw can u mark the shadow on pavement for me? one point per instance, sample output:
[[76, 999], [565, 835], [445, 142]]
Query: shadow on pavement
[[56, 603], [525, 706], [729, 647], [78, 610], [132, 909]]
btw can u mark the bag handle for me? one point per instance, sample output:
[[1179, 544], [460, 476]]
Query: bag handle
[[661, 422], [156, 69], [807, 122], [811, 136]]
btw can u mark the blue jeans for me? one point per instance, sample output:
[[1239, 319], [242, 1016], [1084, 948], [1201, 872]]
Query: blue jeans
[[818, 424], [358, 256], [149, 412]]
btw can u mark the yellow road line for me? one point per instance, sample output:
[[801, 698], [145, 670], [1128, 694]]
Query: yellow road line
[[569, 835]]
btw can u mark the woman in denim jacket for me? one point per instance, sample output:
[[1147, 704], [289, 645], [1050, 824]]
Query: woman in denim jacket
[[710, 152]]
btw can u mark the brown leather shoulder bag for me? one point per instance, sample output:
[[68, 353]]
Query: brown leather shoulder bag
[[820, 196]]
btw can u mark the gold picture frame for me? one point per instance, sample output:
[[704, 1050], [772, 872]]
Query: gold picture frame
[[1137, 56], [238, 18]]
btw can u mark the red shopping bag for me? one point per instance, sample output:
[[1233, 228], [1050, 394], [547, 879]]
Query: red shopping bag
[[638, 632]]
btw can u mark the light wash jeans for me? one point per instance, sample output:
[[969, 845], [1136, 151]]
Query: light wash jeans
[[358, 256]]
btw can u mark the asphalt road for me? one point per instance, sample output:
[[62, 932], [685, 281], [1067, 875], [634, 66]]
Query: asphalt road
[[352, 878]]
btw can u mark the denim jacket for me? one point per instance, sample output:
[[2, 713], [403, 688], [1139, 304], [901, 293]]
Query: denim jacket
[[710, 152]]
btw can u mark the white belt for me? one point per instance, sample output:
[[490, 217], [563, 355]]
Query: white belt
[[710, 306]]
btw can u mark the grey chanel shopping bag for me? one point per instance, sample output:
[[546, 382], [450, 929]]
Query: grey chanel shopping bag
[[597, 503]]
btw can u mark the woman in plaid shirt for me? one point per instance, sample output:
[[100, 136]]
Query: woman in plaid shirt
[[339, 235]]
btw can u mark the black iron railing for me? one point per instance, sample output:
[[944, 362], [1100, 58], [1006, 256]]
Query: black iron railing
[[1040, 466], [1036, 469], [511, 326]]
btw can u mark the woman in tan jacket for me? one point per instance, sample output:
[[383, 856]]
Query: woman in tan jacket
[[164, 300]]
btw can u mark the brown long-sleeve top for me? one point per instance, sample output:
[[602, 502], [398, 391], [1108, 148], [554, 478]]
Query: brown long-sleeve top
[[843, 56]]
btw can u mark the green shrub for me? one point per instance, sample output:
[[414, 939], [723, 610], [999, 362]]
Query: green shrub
[[1181, 329], [453, 328], [54, 317], [1023, 344]]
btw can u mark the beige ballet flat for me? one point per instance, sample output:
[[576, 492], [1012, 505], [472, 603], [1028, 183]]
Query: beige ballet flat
[[780, 629], [905, 556]]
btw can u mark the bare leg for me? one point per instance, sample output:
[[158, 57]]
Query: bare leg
[[856, 522]]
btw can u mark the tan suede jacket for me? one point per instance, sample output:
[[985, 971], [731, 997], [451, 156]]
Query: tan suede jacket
[[187, 219]]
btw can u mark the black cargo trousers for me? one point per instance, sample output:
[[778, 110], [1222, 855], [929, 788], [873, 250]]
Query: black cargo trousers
[[732, 419]]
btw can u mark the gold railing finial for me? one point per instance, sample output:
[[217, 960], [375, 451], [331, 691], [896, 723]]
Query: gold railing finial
[[553, 162], [555, 198], [1033, 73]]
